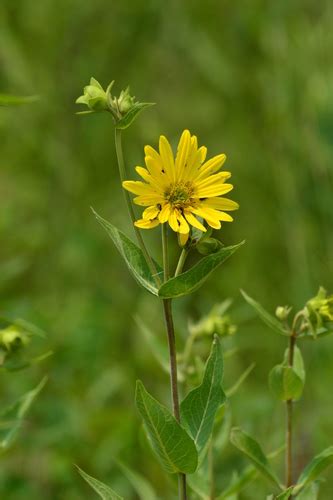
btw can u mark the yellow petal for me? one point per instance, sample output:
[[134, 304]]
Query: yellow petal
[[148, 200], [183, 225], [167, 157], [146, 224], [215, 190], [212, 165], [210, 217], [164, 213], [213, 179], [221, 203], [173, 221], [194, 221], [182, 238], [150, 213], [138, 187], [182, 153]]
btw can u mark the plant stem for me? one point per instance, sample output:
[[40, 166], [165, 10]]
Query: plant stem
[[289, 417], [172, 353], [181, 262], [123, 176]]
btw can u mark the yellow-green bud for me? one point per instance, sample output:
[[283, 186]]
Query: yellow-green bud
[[12, 339], [125, 101], [206, 246], [319, 309], [282, 312], [94, 96]]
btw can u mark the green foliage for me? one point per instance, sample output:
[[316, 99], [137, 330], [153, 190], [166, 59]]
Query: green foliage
[[191, 280], [249, 446], [311, 492], [17, 413], [266, 317], [238, 482], [132, 114], [141, 486], [199, 408], [317, 465], [12, 100], [102, 489], [287, 382], [154, 343], [132, 255], [173, 447]]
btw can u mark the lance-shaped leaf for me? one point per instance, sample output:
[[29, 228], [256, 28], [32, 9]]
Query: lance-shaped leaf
[[17, 411], [13, 100], [251, 448], [238, 483], [199, 408], [159, 350], [102, 489], [132, 114], [172, 445], [191, 280], [285, 495], [141, 486], [310, 492], [132, 255], [266, 317], [317, 465]]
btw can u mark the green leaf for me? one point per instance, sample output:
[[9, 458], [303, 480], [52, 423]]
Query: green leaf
[[298, 363], [142, 487], [266, 317], [234, 388], [102, 489], [317, 465], [199, 408], [238, 482], [311, 492], [170, 442], [12, 100], [247, 445], [132, 114], [285, 495], [159, 350], [192, 279], [17, 411], [132, 255], [285, 383]]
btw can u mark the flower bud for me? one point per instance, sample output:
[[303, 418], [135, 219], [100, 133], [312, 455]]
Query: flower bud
[[94, 96], [206, 246], [319, 309], [125, 101], [282, 312], [12, 339]]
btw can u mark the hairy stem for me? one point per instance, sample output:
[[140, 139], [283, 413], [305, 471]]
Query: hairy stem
[[123, 176], [172, 353]]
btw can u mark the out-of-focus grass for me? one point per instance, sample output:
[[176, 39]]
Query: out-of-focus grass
[[252, 79]]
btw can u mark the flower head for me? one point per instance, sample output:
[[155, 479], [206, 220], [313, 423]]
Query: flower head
[[182, 191], [320, 307]]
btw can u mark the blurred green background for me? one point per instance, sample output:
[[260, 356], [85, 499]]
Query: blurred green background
[[252, 79]]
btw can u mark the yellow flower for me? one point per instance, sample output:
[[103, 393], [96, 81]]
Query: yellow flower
[[184, 191]]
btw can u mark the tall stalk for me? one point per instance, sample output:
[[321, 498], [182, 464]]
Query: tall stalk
[[123, 177], [167, 308], [289, 405]]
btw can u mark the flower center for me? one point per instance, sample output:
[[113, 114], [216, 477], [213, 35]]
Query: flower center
[[179, 194]]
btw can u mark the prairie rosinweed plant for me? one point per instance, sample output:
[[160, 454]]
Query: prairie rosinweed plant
[[182, 193]]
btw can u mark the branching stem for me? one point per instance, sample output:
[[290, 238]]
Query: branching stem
[[289, 416]]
